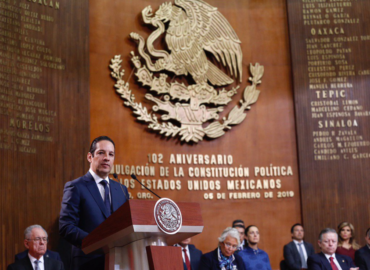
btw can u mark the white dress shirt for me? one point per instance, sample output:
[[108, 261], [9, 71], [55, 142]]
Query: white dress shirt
[[335, 260], [97, 179], [182, 252], [41, 262], [241, 246], [303, 248]]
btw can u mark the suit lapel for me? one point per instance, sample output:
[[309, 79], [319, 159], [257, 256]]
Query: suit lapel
[[191, 256], [114, 193], [367, 256], [47, 263], [91, 186], [307, 248], [296, 252], [27, 263], [325, 261], [342, 262]]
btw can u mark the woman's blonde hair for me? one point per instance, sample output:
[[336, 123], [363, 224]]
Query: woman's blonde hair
[[352, 240]]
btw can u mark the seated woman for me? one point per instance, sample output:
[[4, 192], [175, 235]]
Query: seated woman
[[346, 241], [223, 257], [253, 257]]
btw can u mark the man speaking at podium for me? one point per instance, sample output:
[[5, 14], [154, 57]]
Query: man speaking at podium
[[88, 201]]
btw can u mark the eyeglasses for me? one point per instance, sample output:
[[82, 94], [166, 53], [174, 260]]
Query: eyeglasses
[[39, 239], [230, 246]]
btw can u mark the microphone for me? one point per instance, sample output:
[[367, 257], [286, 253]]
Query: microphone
[[133, 176], [116, 176]]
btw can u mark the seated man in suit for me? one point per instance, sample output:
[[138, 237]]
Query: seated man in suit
[[190, 255], [297, 251], [362, 256], [327, 259], [48, 253], [243, 242], [35, 240]]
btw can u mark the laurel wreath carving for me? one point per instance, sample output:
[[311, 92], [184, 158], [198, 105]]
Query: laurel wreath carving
[[161, 86]]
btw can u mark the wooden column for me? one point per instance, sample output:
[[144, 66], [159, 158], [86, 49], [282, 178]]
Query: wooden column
[[329, 47], [44, 114]]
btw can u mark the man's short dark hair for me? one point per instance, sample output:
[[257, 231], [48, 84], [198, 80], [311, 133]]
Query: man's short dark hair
[[98, 139], [297, 224], [239, 226], [238, 221], [368, 232]]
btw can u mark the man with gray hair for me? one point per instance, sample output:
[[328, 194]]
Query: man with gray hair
[[48, 253], [35, 240], [223, 257], [362, 256], [327, 259]]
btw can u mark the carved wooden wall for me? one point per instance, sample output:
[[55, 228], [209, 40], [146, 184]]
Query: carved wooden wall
[[329, 47], [44, 114], [45, 130]]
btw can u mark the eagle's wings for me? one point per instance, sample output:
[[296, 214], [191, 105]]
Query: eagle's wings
[[201, 27]]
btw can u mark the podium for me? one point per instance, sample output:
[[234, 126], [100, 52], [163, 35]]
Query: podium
[[131, 239]]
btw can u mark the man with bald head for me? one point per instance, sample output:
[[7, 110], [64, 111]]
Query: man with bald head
[[36, 240], [327, 259]]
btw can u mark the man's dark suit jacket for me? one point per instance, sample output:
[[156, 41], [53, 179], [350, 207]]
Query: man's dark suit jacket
[[82, 211], [292, 257], [362, 258], [209, 261], [195, 255], [48, 253], [25, 264], [319, 261]]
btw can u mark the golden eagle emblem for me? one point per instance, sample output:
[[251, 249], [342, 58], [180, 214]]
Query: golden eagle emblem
[[194, 28]]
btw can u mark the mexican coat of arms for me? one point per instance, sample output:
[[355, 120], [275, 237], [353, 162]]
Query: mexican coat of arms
[[191, 112]]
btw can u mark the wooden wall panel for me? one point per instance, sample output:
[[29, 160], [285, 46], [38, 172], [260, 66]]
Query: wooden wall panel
[[266, 137], [329, 47], [45, 45]]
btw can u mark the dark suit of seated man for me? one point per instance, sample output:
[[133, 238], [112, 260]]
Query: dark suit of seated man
[[327, 259], [35, 241], [362, 256], [190, 254], [297, 251], [243, 242], [48, 254]]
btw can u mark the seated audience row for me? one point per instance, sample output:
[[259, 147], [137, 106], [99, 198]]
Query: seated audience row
[[237, 250], [339, 250]]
